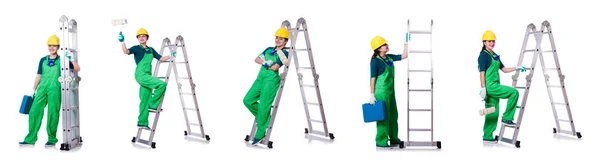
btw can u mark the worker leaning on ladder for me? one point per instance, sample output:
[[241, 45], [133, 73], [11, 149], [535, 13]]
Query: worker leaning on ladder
[[47, 91], [382, 88], [143, 55], [491, 89], [267, 83]]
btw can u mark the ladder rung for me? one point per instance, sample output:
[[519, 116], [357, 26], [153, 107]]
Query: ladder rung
[[305, 85], [72, 50], [186, 93], [530, 50], [419, 129], [563, 120], [551, 68], [184, 78], [181, 62], [417, 70], [419, 32], [314, 120], [162, 62], [419, 51], [510, 126], [145, 128], [194, 124], [301, 49], [420, 90], [426, 110], [558, 103], [190, 109], [555, 86], [521, 87], [538, 32], [548, 51], [311, 103], [162, 77], [153, 111], [304, 67]]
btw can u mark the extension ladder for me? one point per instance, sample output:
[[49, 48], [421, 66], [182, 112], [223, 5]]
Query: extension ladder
[[431, 142], [300, 27], [69, 81], [531, 30], [179, 43]]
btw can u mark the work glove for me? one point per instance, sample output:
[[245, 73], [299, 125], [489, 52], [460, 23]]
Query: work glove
[[121, 37], [372, 100], [262, 57], [267, 64], [69, 55], [407, 38], [482, 93], [521, 68], [32, 93]]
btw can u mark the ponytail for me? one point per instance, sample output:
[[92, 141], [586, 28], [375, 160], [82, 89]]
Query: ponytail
[[483, 48], [375, 54]]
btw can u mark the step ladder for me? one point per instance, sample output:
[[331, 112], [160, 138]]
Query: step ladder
[[172, 66], [538, 52], [431, 142], [300, 27], [69, 81]]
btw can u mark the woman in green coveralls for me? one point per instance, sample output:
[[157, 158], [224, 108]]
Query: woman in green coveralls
[[143, 55], [261, 95], [491, 89], [47, 91], [382, 88]]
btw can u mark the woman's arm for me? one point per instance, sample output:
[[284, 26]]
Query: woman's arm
[[258, 60], [405, 52], [373, 80], [275, 67], [508, 69], [37, 81], [482, 79], [124, 48], [75, 66]]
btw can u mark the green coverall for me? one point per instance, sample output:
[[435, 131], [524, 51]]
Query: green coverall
[[385, 91], [495, 91], [47, 93], [143, 76], [261, 95]]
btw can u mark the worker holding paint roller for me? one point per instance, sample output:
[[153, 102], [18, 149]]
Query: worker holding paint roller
[[143, 55], [264, 88], [47, 91], [491, 89], [382, 88]]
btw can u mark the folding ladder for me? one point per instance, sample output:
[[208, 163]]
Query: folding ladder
[[428, 33], [179, 43], [300, 27], [537, 51], [69, 81]]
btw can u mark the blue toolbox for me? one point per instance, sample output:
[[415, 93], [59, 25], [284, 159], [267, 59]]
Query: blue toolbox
[[375, 112]]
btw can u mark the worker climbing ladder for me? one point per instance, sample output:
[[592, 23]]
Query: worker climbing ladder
[[408, 142], [69, 82], [198, 130], [538, 52], [300, 27]]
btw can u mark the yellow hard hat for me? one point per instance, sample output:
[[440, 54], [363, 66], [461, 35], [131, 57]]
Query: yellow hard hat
[[377, 41], [53, 40], [142, 31], [488, 36], [282, 32]]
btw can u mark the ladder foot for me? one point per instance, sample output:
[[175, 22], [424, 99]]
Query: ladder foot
[[153, 145], [270, 144], [401, 145], [439, 144], [579, 135], [305, 130], [247, 139], [553, 130], [185, 133], [207, 137], [80, 139], [64, 147], [133, 140], [331, 136], [518, 144]]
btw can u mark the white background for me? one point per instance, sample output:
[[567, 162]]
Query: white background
[[224, 37]]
